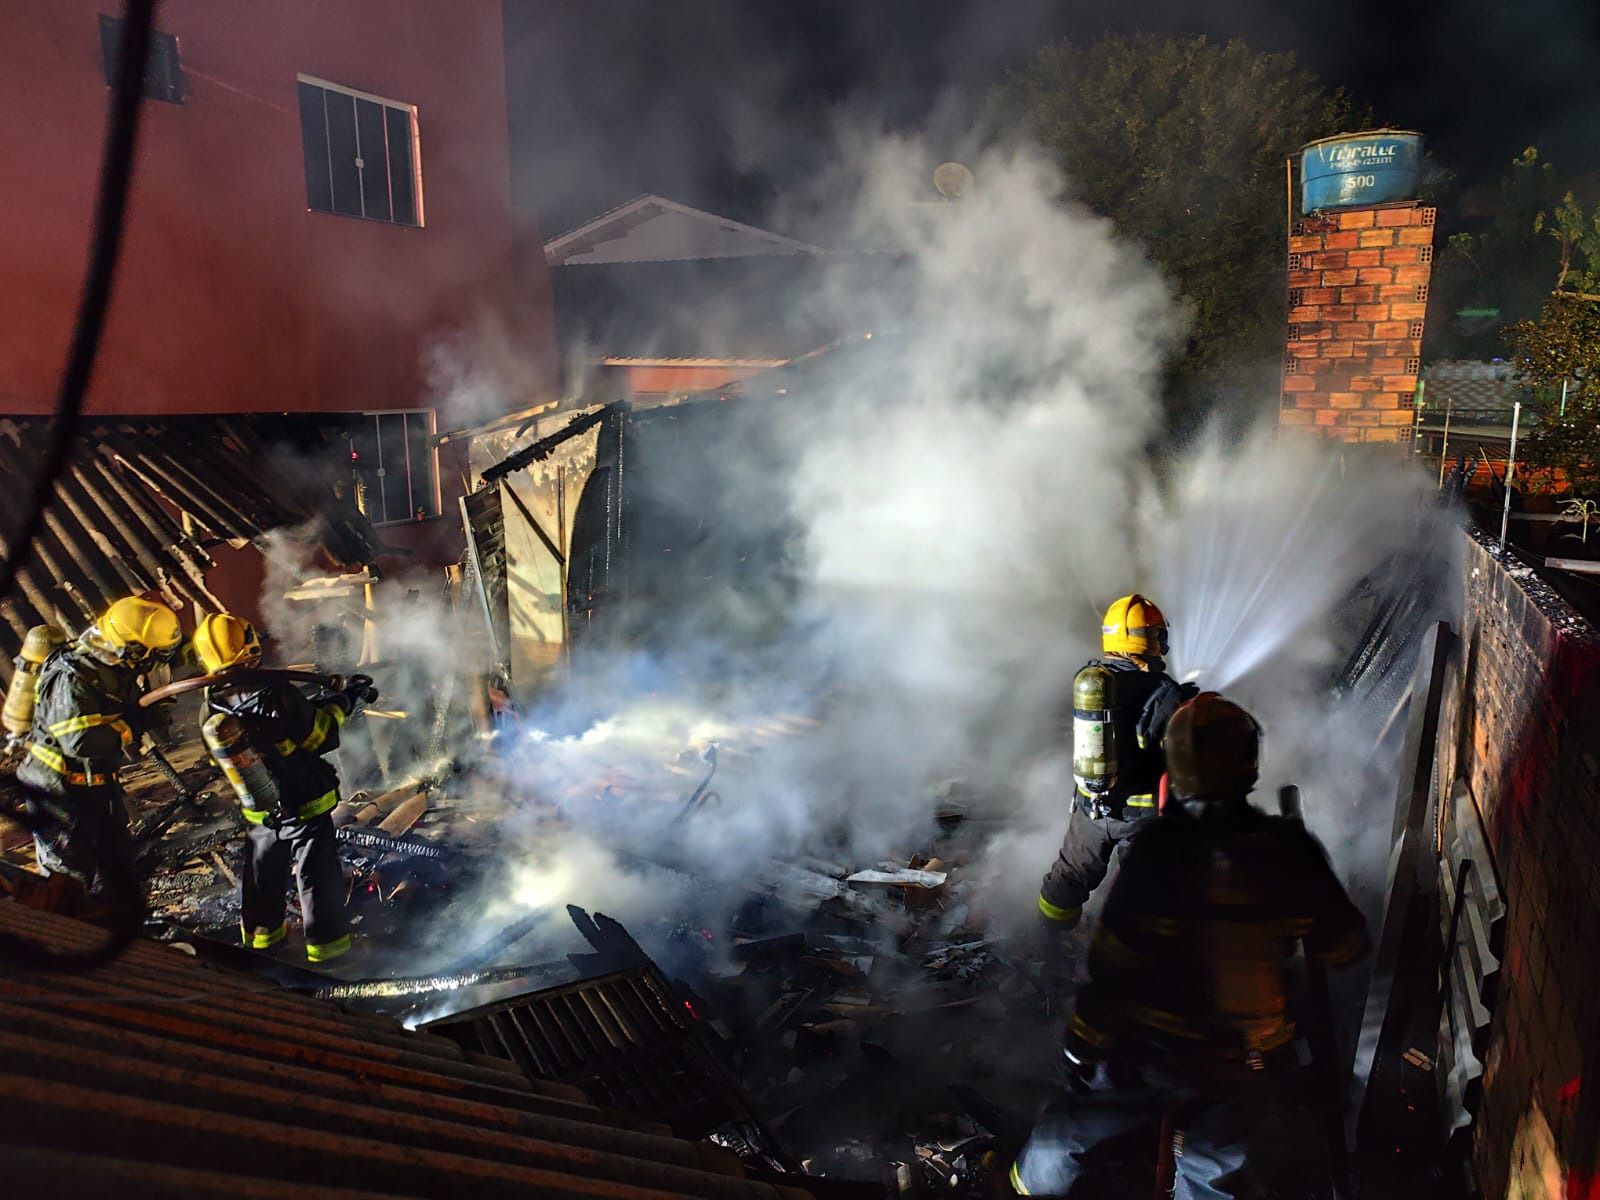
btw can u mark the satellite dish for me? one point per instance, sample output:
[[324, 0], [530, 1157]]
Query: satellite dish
[[953, 180]]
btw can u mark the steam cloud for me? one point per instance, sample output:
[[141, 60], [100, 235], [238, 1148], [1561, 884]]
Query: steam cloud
[[972, 486]]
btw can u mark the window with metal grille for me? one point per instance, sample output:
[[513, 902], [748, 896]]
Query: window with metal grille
[[395, 465], [361, 154], [163, 73]]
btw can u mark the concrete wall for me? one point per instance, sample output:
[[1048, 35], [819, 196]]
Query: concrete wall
[[233, 296], [1520, 730], [1358, 290]]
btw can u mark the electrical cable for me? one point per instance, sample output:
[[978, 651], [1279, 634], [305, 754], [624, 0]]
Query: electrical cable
[[113, 856]]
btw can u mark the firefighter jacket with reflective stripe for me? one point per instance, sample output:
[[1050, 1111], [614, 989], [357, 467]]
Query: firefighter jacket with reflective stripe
[[291, 734], [85, 719], [1143, 702], [1200, 923]]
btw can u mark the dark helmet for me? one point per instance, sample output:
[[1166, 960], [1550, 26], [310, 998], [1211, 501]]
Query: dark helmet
[[1213, 749]]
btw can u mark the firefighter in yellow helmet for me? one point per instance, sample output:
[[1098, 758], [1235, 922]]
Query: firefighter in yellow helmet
[[293, 830], [1120, 705], [86, 723], [1186, 996]]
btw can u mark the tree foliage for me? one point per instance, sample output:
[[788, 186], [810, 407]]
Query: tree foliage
[[1182, 143], [1507, 268], [1559, 352], [1563, 345]]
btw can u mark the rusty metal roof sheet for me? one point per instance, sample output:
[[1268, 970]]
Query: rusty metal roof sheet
[[163, 1075], [136, 508]]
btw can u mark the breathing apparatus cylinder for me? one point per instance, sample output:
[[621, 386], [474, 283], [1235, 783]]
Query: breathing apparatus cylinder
[[23, 693], [252, 782], [1094, 735]]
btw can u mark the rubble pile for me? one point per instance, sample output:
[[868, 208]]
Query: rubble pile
[[884, 1031]]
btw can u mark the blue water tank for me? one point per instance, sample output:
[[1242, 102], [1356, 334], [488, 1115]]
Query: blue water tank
[[1355, 169]]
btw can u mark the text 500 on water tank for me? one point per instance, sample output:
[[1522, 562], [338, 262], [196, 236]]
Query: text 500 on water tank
[[1356, 169]]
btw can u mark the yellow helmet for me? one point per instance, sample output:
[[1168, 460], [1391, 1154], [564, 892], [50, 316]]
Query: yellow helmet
[[134, 629], [1134, 625], [222, 640], [1213, 748]]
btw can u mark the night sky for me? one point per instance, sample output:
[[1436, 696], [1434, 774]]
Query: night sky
[[726, 104]]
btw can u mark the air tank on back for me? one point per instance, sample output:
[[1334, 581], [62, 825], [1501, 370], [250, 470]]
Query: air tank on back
[[1094, 736], [37, 646], [252, 782]]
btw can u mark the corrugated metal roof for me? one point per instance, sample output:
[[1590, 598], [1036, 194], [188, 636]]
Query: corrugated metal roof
[[140, 501], [163, 1075]]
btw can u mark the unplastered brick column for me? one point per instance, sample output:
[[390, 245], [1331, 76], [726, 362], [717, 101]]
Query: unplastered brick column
[[1358, 297]]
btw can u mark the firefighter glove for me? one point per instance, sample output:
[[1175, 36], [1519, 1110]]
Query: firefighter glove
[[1158, 710]]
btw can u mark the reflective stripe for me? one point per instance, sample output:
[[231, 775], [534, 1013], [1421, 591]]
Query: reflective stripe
[[262, 939], [1056, 913], [324, 724], [315, 808], [1016, 1182], [1160, 926], [1166, 1022], [91, 721], [285, 747], [1088, 1034], [327, 950], [58, 764], [320, 805], [1119, 952], [1145, 801]]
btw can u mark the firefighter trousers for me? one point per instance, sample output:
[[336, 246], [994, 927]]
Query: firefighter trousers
[[311, 850], [1213, 1136], [1081, 864], [95, 827]]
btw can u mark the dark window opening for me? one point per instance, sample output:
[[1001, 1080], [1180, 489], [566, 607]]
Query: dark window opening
[[395, 466], [360, 155], [163, 73]]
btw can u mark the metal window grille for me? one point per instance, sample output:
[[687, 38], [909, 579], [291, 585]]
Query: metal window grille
[[362, 154], [396, 465], [163, 72]]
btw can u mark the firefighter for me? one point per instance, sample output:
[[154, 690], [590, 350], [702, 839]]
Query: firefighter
[[86, 721], [291, 826], [1121, 703], [1185, 1003]]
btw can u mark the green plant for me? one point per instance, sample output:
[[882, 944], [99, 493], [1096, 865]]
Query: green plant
[[1585, 511]]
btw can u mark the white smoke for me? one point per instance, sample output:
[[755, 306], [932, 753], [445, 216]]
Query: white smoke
[[971, 488]]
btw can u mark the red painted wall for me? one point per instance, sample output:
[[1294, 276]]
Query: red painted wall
[[232, 296]]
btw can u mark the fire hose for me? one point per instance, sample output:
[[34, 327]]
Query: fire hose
[[239, 675]]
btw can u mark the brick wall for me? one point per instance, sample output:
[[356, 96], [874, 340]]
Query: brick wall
[[1358, 296], [1520, 728]]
